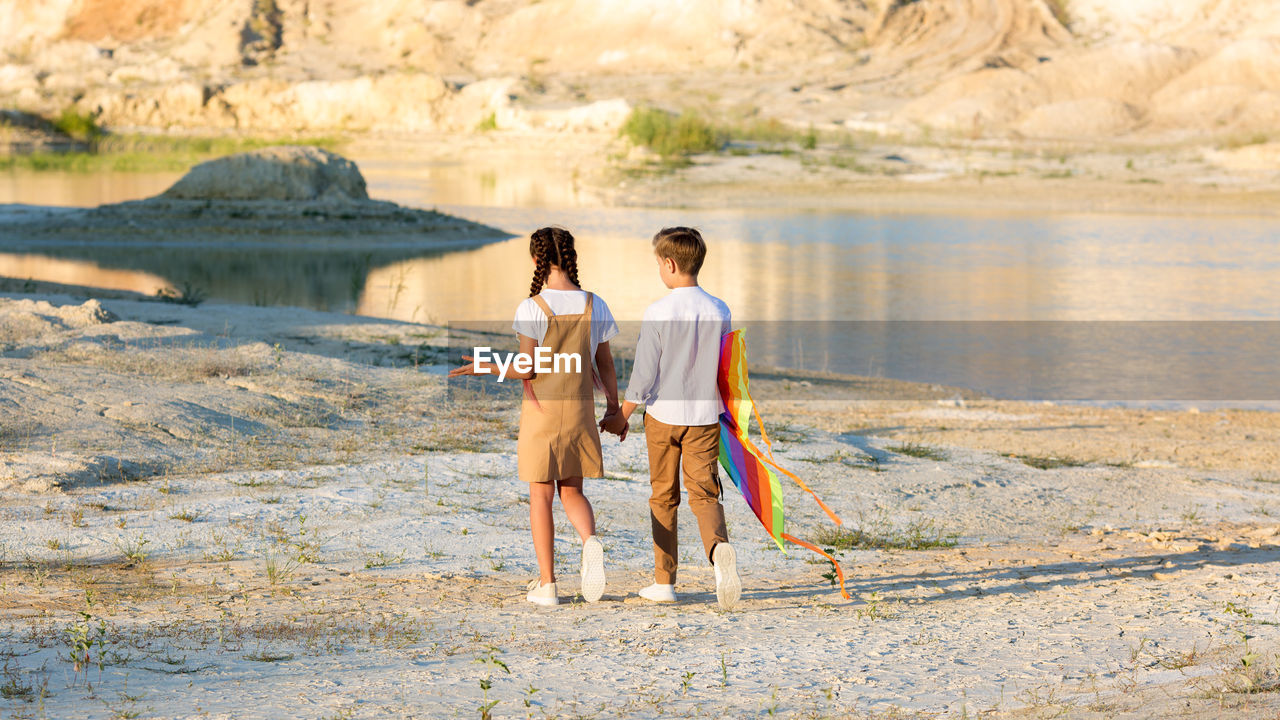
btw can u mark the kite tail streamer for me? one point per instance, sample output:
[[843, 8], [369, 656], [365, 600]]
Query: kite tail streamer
[[839, 572], [834, 518]]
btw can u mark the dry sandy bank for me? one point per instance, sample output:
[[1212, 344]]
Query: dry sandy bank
[[304, 528]]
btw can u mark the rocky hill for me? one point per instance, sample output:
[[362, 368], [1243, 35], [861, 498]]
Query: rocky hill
[[1079, 69]]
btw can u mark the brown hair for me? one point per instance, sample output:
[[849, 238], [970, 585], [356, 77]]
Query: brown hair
[[552, 246], [684, 245]]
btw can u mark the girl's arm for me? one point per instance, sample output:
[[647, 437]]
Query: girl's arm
[[471, 367], [608, 376], [527, 346], [615, 417]]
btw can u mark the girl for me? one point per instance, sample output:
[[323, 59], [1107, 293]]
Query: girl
[[559, 442]]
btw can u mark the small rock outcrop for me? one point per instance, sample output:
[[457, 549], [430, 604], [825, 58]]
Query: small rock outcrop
[[283, 194], [285, 172]]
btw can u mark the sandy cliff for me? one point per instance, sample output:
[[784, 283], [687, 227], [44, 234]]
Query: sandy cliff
[[1165, 69]]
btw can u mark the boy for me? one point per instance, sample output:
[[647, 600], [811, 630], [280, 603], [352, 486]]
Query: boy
[[674, 377]]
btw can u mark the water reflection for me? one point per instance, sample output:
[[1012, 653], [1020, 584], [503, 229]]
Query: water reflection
[[803, 275], [79, 272], [772, 266], [322, 279], [766, 265]]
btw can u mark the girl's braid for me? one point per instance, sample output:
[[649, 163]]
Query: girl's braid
[[540, 247], [567, 254]]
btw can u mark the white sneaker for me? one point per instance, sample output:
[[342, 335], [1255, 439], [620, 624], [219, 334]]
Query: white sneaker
[[659, 593], [542, 594], [592, 569], [728, 584]]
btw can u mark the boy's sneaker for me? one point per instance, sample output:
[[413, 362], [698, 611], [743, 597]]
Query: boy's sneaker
[[659, 593], [592, 569], [728, 584], [542, 594]]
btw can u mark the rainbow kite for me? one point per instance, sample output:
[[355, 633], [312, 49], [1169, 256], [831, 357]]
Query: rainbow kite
[[756, 474]]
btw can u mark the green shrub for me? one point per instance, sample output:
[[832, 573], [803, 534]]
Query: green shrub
[[810, 139], [671, 135], [81, 126]]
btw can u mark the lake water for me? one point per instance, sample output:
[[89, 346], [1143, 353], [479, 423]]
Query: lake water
[[1081, 307]]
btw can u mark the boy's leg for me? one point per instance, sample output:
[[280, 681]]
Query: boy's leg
[[700, 451], [664, 500]]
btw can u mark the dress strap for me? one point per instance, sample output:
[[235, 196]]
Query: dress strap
[[590, 296], [545, 307]]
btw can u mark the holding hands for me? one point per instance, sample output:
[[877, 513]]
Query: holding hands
[[615, 422]]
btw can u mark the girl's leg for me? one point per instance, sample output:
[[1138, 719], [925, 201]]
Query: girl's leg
[[577, 507], [543, 527]]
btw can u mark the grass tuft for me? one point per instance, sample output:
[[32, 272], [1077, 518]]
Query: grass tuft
[[268, 657], [134, 551], [382, 559], [1049, 462], [488, 124], [880, 534], [917, 450]]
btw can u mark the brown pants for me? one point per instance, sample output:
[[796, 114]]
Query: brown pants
[[696, 449]]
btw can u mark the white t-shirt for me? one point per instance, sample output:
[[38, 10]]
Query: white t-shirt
[[532, 322]]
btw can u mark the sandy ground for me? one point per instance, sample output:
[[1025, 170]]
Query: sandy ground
[[297, 524]]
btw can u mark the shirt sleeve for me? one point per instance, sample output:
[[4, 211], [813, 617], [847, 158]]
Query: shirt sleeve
[[530, 321], [644, 371], [603, 327]]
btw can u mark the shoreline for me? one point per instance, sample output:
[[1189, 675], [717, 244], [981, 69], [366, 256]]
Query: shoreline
[[257, 502], [879, 387], [409, 355]]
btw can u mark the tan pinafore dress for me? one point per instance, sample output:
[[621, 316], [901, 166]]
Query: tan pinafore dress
[[558, 434]]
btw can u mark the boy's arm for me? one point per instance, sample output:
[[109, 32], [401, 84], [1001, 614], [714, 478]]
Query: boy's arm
[[644, 377], [644, 371]]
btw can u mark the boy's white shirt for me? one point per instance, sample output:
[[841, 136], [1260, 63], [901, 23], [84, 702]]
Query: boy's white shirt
[[678, 358], [532, 322]]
